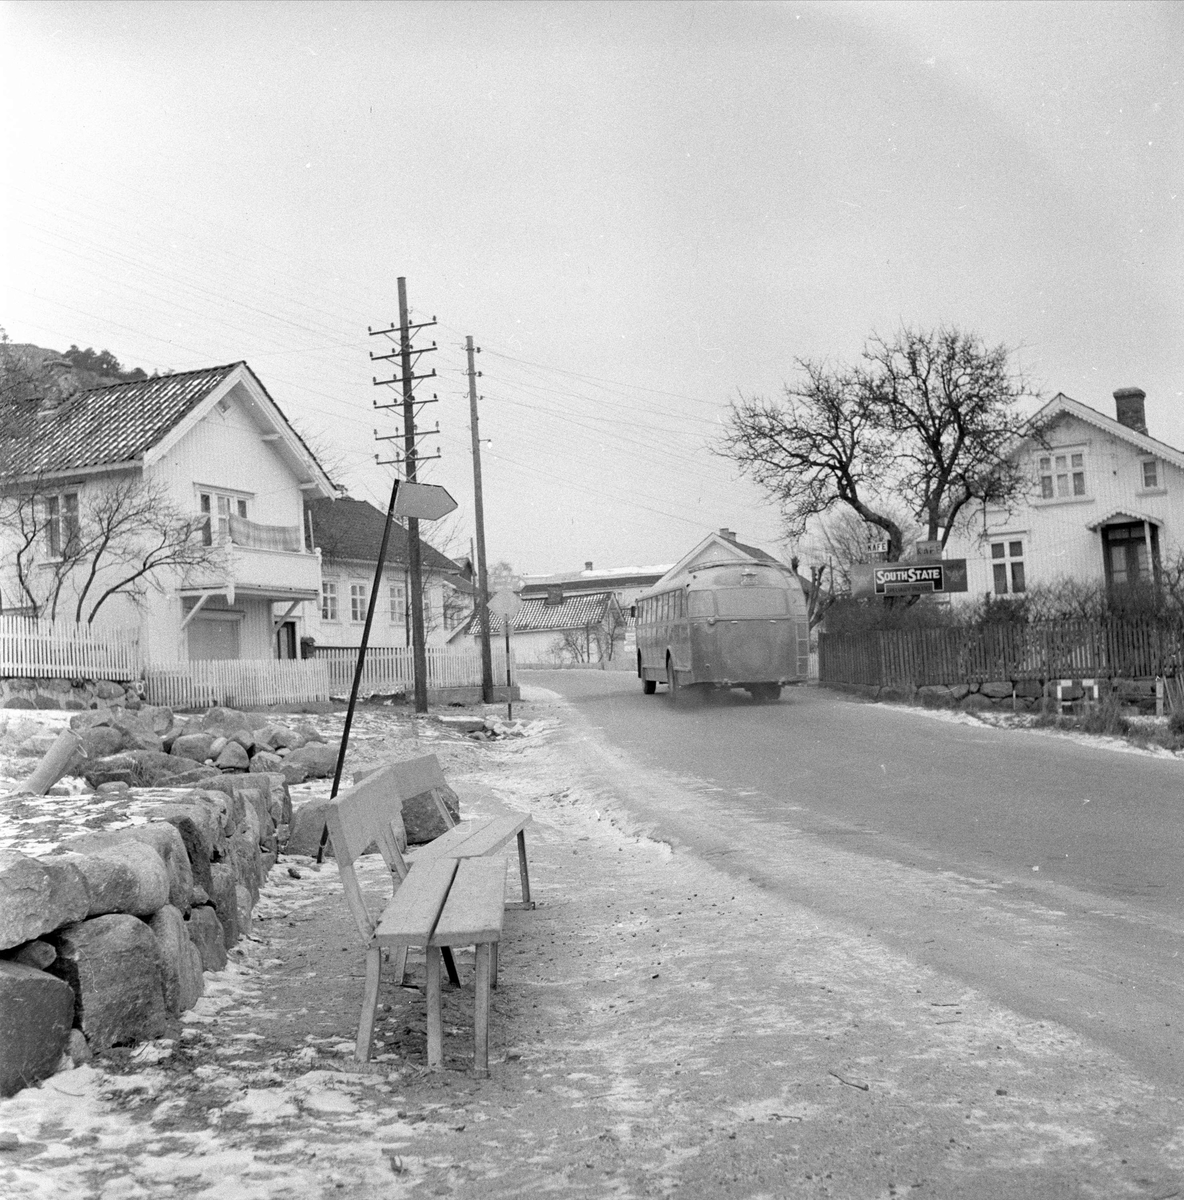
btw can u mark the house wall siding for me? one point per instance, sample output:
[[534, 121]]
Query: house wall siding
[[385, 631], [227, 451], [1057, 541]]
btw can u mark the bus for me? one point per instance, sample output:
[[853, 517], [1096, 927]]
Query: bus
[[724, 625]]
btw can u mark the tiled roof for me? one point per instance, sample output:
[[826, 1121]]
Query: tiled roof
[[100, 426], [351, 531], [576, 612]]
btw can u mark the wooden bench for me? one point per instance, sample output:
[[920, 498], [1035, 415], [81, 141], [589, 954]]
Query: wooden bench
[[451, 893]]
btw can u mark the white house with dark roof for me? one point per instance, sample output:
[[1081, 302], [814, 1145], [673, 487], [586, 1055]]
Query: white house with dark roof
[[214, 446], [347, 534], [1106, 505]]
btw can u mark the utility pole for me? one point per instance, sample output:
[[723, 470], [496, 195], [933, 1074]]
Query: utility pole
[[479, 511], [408, 356]]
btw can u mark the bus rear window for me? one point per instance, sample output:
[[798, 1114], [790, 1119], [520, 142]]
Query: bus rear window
[[751, 602], [700, 604]]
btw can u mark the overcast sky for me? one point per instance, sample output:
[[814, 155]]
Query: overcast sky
[[637, 210]]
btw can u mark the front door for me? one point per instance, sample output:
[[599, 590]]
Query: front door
[[1127, 556], [285, 640]]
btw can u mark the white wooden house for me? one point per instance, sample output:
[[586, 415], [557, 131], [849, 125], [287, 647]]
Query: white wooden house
[[215, 447], [347, 535], [1106, 505]]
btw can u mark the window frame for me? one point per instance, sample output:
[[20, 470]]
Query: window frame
[[1062, 475], [63, 530], [1008, 564], [358, 602], [330, 611], [219, 505]]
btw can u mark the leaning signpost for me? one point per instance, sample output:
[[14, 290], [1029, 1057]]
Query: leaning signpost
[[506, 605]]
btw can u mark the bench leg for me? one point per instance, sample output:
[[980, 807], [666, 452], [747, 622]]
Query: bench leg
[[369, 1004], [523, 874], [481, 1011], [435, 1021], [450, 966], [399, 972]]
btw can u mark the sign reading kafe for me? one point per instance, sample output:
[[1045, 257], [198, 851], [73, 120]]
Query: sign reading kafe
[[909, 579]]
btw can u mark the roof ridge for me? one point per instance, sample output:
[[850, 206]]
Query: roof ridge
[[158, 378]]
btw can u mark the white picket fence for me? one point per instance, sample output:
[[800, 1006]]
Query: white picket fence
[[236, 682], [41, 650], [389, 670]]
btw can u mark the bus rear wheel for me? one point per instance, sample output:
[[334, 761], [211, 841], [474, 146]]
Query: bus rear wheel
[[649, 686]]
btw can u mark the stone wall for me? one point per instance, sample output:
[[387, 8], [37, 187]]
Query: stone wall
[[113, 904], [67, 693]]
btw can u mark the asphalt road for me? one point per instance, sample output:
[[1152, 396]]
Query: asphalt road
[[1044, 873]]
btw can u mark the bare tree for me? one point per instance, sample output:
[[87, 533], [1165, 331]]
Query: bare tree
[[930, 421], [120, 537]]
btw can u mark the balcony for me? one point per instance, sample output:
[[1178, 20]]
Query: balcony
[[268, 561]]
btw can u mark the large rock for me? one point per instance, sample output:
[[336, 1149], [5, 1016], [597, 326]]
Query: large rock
[[422, 819], [304, 831], [319, 759], [232, 758], [223, 720], [165, 838], [206, 933], [37, 896], [278, 736], [200, 826], [123, 876], [244, 848], [225, 900], [263, 761], [113, 964], [996, 690], [36, 1015], [193, 745], [101, 741], [140, 768], [181, 962]]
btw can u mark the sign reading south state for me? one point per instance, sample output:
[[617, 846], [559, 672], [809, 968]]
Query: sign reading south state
[[909, 579]]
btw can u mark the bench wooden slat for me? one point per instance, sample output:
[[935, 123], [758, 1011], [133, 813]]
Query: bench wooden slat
[[493, 837], [447, 844], [411, 916], [476, 904]]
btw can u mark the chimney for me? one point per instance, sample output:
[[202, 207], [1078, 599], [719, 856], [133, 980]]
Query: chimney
[[587, 566], [1128, 404], [730, 534]]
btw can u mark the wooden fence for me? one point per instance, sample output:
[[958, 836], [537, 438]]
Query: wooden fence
[[39, 650], [389, 669], [236, 683], [1048, 650]]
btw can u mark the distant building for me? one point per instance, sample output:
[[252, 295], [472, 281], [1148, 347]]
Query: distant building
[[348, 535]]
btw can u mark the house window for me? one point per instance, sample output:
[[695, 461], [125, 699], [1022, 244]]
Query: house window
[[398, 599], [1151, 474], [328, 601], [1062, 476], [1007, 566], [217, 507], [61, 524], [357, 601]]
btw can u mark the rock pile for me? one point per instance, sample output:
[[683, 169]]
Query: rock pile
[[105, 935], [150, 746]]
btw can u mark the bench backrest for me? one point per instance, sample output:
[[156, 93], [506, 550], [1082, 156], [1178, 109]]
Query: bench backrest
[[365, 815]]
